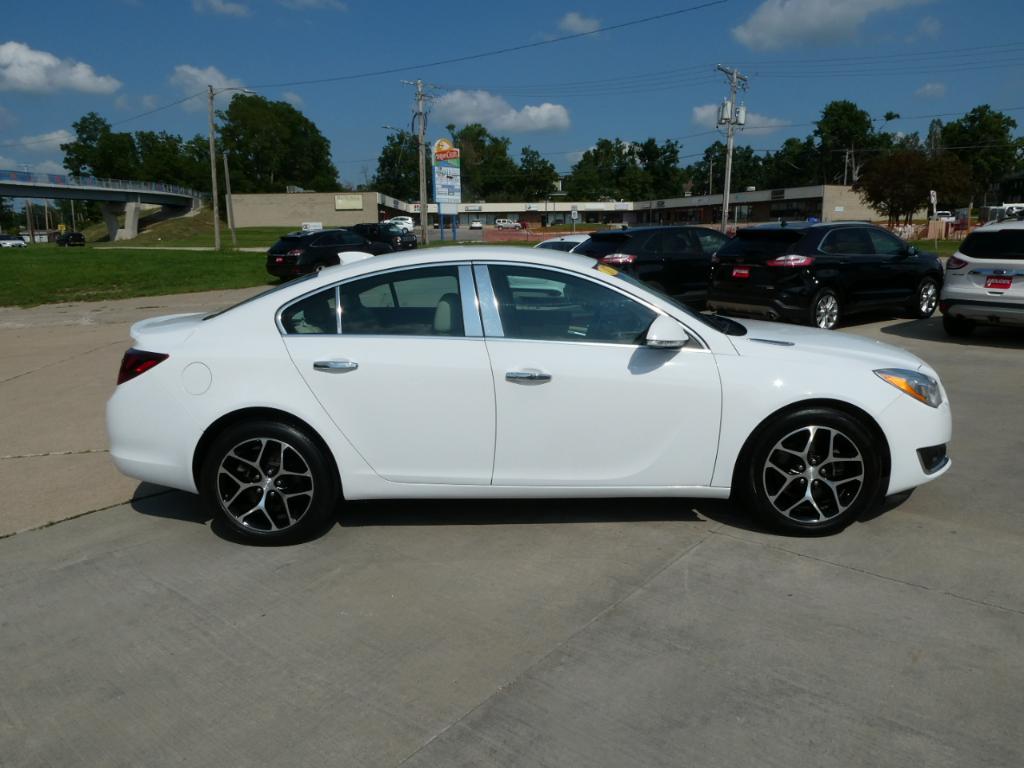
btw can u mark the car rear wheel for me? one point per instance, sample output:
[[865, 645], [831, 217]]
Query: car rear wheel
[[812, 471], [926, 298], [957, 326], [825, 309], [268, 481]]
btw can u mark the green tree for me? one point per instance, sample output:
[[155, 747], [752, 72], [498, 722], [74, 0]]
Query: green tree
[[488, 171], [80, 155], [8, 217], [398, 167], [896, 183], [794, 165], [843, 131], [983, 140], [610, 170], [272, 145], [747, 169], [661, 164], [537, 176]]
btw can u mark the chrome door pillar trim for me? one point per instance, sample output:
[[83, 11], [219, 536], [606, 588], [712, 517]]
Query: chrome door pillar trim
[[488, 302], [470, 304]]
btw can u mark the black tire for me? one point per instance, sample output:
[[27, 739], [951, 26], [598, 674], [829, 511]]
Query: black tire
[[926, 299], [957, 326], [825, 309], [836, 448], [269, 482]]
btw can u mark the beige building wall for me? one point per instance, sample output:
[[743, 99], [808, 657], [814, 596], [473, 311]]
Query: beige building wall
[[332, 209], [843, 204]]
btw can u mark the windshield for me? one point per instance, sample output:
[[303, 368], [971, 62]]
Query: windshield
[[761, 244], [601, 245], [721, 324]]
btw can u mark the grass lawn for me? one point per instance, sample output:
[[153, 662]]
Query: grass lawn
[[46, 274], [946, 247]]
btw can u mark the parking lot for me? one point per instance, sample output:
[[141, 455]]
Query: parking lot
[[562, 633]]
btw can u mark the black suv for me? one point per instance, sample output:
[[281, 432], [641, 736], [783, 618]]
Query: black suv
[[299, 253], [819, 273], [673, 260], [393, 235], [70, 238]]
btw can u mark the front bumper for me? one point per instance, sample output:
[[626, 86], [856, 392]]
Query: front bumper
[[917, 435]]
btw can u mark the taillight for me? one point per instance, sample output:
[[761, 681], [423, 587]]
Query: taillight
[[790, 261], [955, 262], [136, 362], [295, 252], [618, 258]]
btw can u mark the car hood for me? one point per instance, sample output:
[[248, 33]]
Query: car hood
[[780, 341], [160, 333]]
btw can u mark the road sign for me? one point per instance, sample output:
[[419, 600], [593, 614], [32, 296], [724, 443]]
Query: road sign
[[574, 214], [934, 198]]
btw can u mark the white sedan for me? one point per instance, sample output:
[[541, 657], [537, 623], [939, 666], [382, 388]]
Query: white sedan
[[476, 372]]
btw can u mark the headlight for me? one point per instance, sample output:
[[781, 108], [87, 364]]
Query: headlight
[[916, 384]]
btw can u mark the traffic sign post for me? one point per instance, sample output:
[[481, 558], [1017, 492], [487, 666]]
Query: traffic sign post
[[574, 214]]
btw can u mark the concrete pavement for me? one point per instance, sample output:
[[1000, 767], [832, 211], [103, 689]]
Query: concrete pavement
[[597, 633]]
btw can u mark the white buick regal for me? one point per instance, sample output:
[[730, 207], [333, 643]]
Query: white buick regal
[[508, 373]]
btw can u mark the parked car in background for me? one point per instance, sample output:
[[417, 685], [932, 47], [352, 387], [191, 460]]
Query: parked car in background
[[12, 241], [673, 260], [405, 222], [381, 379], [398, 238], [567, 243], [507, 224], [821, 273], [299, 253], [476, 224], [985, 280], [70, 238]]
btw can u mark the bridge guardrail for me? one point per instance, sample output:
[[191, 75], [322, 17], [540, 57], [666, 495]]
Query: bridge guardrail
[[60, 180]]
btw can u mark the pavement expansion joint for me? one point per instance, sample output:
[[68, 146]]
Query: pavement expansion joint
[[866, 572], [54, 453]]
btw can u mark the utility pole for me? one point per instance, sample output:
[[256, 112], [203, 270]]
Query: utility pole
[[73, 226], [213, 178], [730, 116], [229, 203], [711, 175], [421, 120], [31, 223]]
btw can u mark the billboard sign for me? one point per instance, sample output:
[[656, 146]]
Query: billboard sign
[[447, 172]]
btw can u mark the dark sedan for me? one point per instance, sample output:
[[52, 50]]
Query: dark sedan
[[820, 273], [673, 260], [299, 253], [70, 238], [395, 236]]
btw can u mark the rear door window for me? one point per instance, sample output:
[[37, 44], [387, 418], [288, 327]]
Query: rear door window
[[885, 244], [709, 240], [848, 240]]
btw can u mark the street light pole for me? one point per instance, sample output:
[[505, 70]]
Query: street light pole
[[213, 178], [228, 203], [730, 116]]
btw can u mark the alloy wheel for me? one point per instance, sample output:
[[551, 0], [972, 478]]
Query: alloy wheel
[[826, 311], [265, 485], [813, 474], [928, 298]]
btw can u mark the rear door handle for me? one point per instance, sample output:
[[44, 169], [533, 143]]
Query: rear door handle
[[335, 365], [529, 375]]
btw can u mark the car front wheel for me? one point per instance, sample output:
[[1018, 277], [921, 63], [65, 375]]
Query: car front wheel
[[812, 471], [268, 481]]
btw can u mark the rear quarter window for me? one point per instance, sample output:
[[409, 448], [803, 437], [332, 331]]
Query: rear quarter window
[[761, 244]]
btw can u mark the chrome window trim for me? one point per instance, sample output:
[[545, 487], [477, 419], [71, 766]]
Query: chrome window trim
[[480, 267], [488, 302], [471, 321], [322, 289]]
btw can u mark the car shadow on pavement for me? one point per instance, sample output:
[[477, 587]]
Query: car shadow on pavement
[[983, 335]]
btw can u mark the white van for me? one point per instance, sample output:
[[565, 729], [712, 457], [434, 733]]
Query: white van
[[507, 224]]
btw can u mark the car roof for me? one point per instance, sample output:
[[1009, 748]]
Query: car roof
[[577, 238], [810, 224]]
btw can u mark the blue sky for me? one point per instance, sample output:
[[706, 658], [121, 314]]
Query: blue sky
[[124, 57]]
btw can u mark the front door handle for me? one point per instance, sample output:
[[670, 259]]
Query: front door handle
[[530, 375], [335, 365]]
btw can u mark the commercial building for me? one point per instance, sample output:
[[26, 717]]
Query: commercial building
[[825, 203]]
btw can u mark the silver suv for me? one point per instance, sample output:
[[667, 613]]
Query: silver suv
[[985, 280]]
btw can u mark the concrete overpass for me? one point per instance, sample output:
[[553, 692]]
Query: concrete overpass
[[116, 196]]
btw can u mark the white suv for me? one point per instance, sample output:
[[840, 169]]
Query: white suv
[[405, 222], [507, 224], [985, 280]]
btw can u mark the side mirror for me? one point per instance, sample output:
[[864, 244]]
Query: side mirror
[[666, 333], [912, 250]]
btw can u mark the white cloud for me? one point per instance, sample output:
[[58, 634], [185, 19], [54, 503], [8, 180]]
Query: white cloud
[[928, 28], [495, 113], [149, 101], [931, 91], [49, 166], [302, 5], [25, 69], [222, 7], [193, 80], [576, 23], [46, 166], [706, 116], [47, 142], [780, 23], [292, 98]]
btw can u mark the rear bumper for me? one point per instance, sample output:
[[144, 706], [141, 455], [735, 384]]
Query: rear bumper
[[984, 311], [790, 306]]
